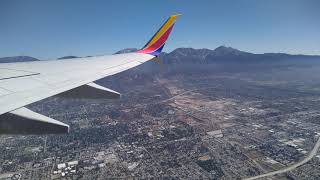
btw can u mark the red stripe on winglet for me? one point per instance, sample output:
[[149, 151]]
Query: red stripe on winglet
[[158, 43]]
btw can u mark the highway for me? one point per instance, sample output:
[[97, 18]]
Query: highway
[[312, 153]]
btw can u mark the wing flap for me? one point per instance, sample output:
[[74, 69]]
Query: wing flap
[[25, 121], [90, 91]]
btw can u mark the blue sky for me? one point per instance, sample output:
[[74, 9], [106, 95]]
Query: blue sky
[[49, 29]]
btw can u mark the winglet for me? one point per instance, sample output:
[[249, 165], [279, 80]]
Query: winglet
[[157, 42]]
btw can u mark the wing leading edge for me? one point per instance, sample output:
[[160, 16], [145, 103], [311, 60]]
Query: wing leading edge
[[70, 78]]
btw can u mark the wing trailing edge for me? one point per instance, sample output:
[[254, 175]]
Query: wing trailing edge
[[90, 91], [25, 121]]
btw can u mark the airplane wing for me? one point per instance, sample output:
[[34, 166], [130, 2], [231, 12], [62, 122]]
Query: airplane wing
[[28, 82]]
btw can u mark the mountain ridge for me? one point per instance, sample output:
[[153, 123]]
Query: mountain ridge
[[192, 55], [17, 59]]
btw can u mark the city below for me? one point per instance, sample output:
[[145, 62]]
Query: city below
[[207, 114]]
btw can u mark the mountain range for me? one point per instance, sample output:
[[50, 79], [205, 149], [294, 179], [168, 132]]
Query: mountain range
[[198, 56], [17, 59], [225, 54]]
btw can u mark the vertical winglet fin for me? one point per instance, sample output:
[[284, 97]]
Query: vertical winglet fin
[[157, 42]]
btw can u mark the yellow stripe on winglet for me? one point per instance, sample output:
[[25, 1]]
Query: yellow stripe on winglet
[[164, 28]]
